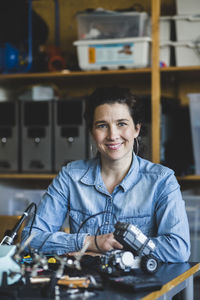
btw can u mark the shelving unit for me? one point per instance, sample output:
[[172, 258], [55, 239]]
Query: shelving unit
[[27, 176], [155, 79]]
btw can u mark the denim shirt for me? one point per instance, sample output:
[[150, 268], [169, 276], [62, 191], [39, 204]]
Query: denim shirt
[[149, 197]]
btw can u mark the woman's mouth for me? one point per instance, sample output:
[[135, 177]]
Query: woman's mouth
[[113, 146]]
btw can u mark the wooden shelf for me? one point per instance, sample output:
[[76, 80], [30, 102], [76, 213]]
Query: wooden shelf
[[180, 69], [189, 178], [27, 176], [51, 176], [181, 72], [66, 74]]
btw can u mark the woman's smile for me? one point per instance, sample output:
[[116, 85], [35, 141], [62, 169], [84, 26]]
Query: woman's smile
[[115, 146]]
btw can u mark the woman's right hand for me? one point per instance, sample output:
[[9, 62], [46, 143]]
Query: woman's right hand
[[105, 242]]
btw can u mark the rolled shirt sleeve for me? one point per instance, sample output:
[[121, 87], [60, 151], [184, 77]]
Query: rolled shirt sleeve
[[173, 237], [50, 216]]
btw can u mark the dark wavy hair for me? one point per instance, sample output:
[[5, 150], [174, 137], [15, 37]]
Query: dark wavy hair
[[110, 95]]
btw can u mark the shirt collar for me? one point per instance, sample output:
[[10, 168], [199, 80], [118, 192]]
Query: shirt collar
[[93, 174], [132, 176]]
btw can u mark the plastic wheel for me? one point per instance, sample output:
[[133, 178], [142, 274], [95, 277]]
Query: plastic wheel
[[149, 264]]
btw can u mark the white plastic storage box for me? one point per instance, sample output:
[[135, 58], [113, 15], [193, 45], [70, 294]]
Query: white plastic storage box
[[187, 27], [187, 53], [185, 7], [104, 24], [165, 28], [165, 53], [113, 54], [194, 107], [192, 204]]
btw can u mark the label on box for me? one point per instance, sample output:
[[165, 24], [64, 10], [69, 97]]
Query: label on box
[[107, 54]]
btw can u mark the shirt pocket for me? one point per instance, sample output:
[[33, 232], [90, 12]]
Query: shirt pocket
[[82, 222], [144, 223]]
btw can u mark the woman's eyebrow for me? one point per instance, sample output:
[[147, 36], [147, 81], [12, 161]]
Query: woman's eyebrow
[[99, 121], [118, 120]]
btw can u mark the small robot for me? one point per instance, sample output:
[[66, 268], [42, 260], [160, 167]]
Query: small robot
[[137, 251]]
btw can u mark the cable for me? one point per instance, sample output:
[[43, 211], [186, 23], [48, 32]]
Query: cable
[[95, 237], [33, 220], [77, 245], [43, 243], [9, 239], [88, 218], [98, 229]]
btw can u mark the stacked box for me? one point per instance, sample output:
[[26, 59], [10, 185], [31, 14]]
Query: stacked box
[[187, 47], [194, 107], [112, 40], [103, 24], [113, 53], [185, 7]]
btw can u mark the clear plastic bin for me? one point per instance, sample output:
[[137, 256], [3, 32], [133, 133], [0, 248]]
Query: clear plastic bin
[[103, 24], [114, 53], [194, 106]]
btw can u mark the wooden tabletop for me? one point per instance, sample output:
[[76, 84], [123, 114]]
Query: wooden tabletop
[[195, 267]]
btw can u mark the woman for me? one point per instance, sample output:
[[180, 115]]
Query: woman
[[116, 185]]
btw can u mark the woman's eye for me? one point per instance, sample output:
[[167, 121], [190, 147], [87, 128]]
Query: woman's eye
[[101, 126], [122, 124]]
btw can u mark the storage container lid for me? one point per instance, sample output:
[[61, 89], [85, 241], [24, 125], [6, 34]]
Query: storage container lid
[[111, 41]]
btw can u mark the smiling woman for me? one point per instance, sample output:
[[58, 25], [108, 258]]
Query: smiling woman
[[114, 131], [116, 185]]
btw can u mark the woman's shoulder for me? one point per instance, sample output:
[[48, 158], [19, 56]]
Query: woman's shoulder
[[151, 168], [78, 167]]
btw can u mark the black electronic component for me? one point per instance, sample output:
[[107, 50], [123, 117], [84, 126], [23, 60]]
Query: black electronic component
[[69, 132], [9, 137], [136, 282], [132, 238], [36, 142]]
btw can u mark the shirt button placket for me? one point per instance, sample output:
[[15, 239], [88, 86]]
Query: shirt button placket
[[107, 216]]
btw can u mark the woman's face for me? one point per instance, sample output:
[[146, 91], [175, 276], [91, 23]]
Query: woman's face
[[114, 131]]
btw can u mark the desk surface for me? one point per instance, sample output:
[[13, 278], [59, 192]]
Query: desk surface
[[174, 278], [171, 275]]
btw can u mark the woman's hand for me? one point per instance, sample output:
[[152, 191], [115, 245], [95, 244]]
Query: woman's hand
[[105, 242]]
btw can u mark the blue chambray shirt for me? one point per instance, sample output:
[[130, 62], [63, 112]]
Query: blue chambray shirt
[[149, 197]]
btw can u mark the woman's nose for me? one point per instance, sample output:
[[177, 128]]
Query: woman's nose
[[113, 133]]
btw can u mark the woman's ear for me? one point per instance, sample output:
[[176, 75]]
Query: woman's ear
[[138, 127]]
